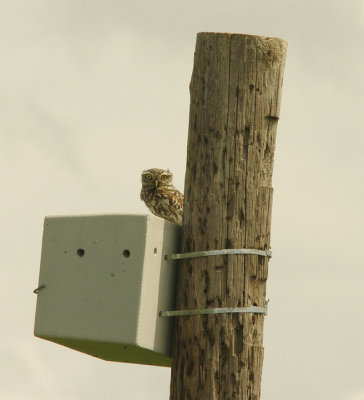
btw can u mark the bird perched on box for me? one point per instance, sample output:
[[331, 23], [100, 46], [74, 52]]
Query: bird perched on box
[[160, 196]]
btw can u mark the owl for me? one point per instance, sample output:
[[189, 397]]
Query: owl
[[160, 196]]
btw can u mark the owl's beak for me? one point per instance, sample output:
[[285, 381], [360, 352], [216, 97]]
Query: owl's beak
[[156, 183]]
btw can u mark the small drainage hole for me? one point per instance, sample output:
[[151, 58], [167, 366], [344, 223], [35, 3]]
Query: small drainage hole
[[126, 253], [80, 252]]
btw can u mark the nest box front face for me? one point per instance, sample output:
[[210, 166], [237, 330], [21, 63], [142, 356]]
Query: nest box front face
[[103, 280]]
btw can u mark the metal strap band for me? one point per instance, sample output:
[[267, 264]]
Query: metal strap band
[[253, 309], [265, 253]]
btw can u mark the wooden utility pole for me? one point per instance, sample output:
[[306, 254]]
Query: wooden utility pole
[[235, 100]]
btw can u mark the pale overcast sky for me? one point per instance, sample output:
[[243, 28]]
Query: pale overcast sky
[[92, 92]]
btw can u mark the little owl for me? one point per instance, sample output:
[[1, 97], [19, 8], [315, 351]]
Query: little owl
[[160, 196]]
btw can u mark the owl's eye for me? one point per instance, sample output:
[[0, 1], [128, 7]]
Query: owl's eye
[[164, 177], [148, 177]]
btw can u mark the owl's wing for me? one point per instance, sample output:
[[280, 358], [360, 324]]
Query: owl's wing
[[174, 199]]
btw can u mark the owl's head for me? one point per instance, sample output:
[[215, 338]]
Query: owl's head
[[155, 177]]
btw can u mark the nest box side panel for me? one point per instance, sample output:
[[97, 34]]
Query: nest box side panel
[[91, 267], [158, 286]]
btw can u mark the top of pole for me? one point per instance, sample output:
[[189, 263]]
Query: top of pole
[[272, 48]]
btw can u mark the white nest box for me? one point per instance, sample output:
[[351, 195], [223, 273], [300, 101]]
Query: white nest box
[[103, 281]]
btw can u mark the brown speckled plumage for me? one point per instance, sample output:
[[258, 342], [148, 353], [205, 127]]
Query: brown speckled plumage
[[160, 196]]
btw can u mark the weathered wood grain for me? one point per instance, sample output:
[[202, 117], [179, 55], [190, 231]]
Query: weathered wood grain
[[235, 100]]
